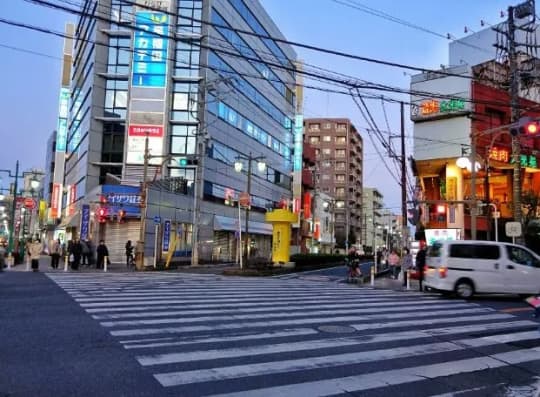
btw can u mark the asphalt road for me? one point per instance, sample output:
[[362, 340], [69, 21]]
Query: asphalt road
[[171, 334]]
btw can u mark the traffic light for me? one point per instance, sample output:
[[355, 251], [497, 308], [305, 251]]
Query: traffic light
[[102, 214], [526, 126], [187, 161], [121, 215]]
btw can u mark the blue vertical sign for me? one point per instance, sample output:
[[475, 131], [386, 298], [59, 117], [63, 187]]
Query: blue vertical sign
[[150, 49], [166, 235], [85, 221], [61, 129]]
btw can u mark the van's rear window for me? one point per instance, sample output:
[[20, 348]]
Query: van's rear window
[[435, 250]]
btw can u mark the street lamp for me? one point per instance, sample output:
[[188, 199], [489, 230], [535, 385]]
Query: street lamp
[[34, 183], [238, 166]]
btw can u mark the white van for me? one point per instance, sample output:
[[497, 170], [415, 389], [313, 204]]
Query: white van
[[467, 267]]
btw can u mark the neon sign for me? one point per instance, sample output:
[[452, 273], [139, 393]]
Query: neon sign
[[499, 154], [433, 106]]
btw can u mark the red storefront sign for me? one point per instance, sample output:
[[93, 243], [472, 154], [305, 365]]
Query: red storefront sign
[[307, 205], [55, 200], [152, 131]]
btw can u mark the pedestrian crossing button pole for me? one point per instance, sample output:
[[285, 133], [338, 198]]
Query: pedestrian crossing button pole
[[372, 268], [408, 275], [66, 260]]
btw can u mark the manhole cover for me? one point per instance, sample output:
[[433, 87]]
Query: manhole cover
[[337, 329]]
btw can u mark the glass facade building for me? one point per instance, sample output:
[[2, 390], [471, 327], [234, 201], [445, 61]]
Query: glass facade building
[[188, 76]]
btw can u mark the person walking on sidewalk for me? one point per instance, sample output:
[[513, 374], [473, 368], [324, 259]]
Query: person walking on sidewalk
[[129, 254], [56, 253], [76, 251], [393, 261], [102, 254], [406, 264], [421, 263], [34, 252]]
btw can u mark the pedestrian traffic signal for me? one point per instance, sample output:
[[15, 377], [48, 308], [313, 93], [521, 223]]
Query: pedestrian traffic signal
[[187, 161], [102, 214], [526, 126]]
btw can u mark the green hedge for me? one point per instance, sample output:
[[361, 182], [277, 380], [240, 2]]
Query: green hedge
[[303, 260]]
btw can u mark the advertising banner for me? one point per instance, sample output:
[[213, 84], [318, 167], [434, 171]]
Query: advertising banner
[[55, 201], [85, 222], [166, 235]]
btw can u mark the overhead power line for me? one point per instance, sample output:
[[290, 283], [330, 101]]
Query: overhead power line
[[343, 83]]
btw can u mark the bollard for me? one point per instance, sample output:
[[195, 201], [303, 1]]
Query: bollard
[[105, 261], [27, 263], [66, 261], [10, 259], [372, 275], [408, 275]]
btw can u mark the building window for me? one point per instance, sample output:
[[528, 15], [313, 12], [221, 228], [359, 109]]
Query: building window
[[187, 60], [340, 153], [317, 152], [327, 126], [121, 12], [325, 177], [112, 144], [189, 16], [341, 140], [340, 165], [116, 98], [327, 151], [340, 191], [314, 127], [326, 164], [340, 178], [183, 139], [341, 127], [314, 140], [119, 55], [327, 138]]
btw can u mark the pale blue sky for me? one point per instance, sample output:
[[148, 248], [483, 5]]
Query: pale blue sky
[[30, 83]]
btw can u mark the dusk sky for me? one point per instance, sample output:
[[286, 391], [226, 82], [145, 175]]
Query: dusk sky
[[31, 65]]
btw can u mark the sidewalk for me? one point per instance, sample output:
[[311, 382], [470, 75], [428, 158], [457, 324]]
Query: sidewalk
[[384, 282], [45, 266]]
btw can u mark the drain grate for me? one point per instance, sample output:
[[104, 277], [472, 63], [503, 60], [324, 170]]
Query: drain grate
[[337, 329]]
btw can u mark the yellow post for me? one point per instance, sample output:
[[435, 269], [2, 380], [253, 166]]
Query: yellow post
[[281, 221]]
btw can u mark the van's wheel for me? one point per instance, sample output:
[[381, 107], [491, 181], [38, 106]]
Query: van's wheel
[[464, 289]]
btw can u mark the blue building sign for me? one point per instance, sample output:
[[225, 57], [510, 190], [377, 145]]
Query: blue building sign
[[150, 49], [166, 235], [61, 129], [123, 197], [85, 222]]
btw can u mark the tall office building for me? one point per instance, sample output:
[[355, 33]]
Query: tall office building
[[339, 153], [185, 79]]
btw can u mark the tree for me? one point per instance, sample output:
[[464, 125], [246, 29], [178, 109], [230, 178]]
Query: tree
[[530, 202]]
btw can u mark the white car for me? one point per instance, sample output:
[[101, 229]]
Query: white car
[[468, 267]]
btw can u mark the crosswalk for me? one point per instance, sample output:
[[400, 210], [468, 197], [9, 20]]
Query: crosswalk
[[202, 335]]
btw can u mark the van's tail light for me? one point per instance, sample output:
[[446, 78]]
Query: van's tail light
[[443, 271]]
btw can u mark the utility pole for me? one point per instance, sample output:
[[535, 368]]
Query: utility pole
[[197, 197], [404, 237], [139, 263], [514, 116], [473, 186], [524, 12]]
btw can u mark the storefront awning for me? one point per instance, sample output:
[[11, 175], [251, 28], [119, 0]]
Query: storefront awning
[[231, 224], [70, 221]]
